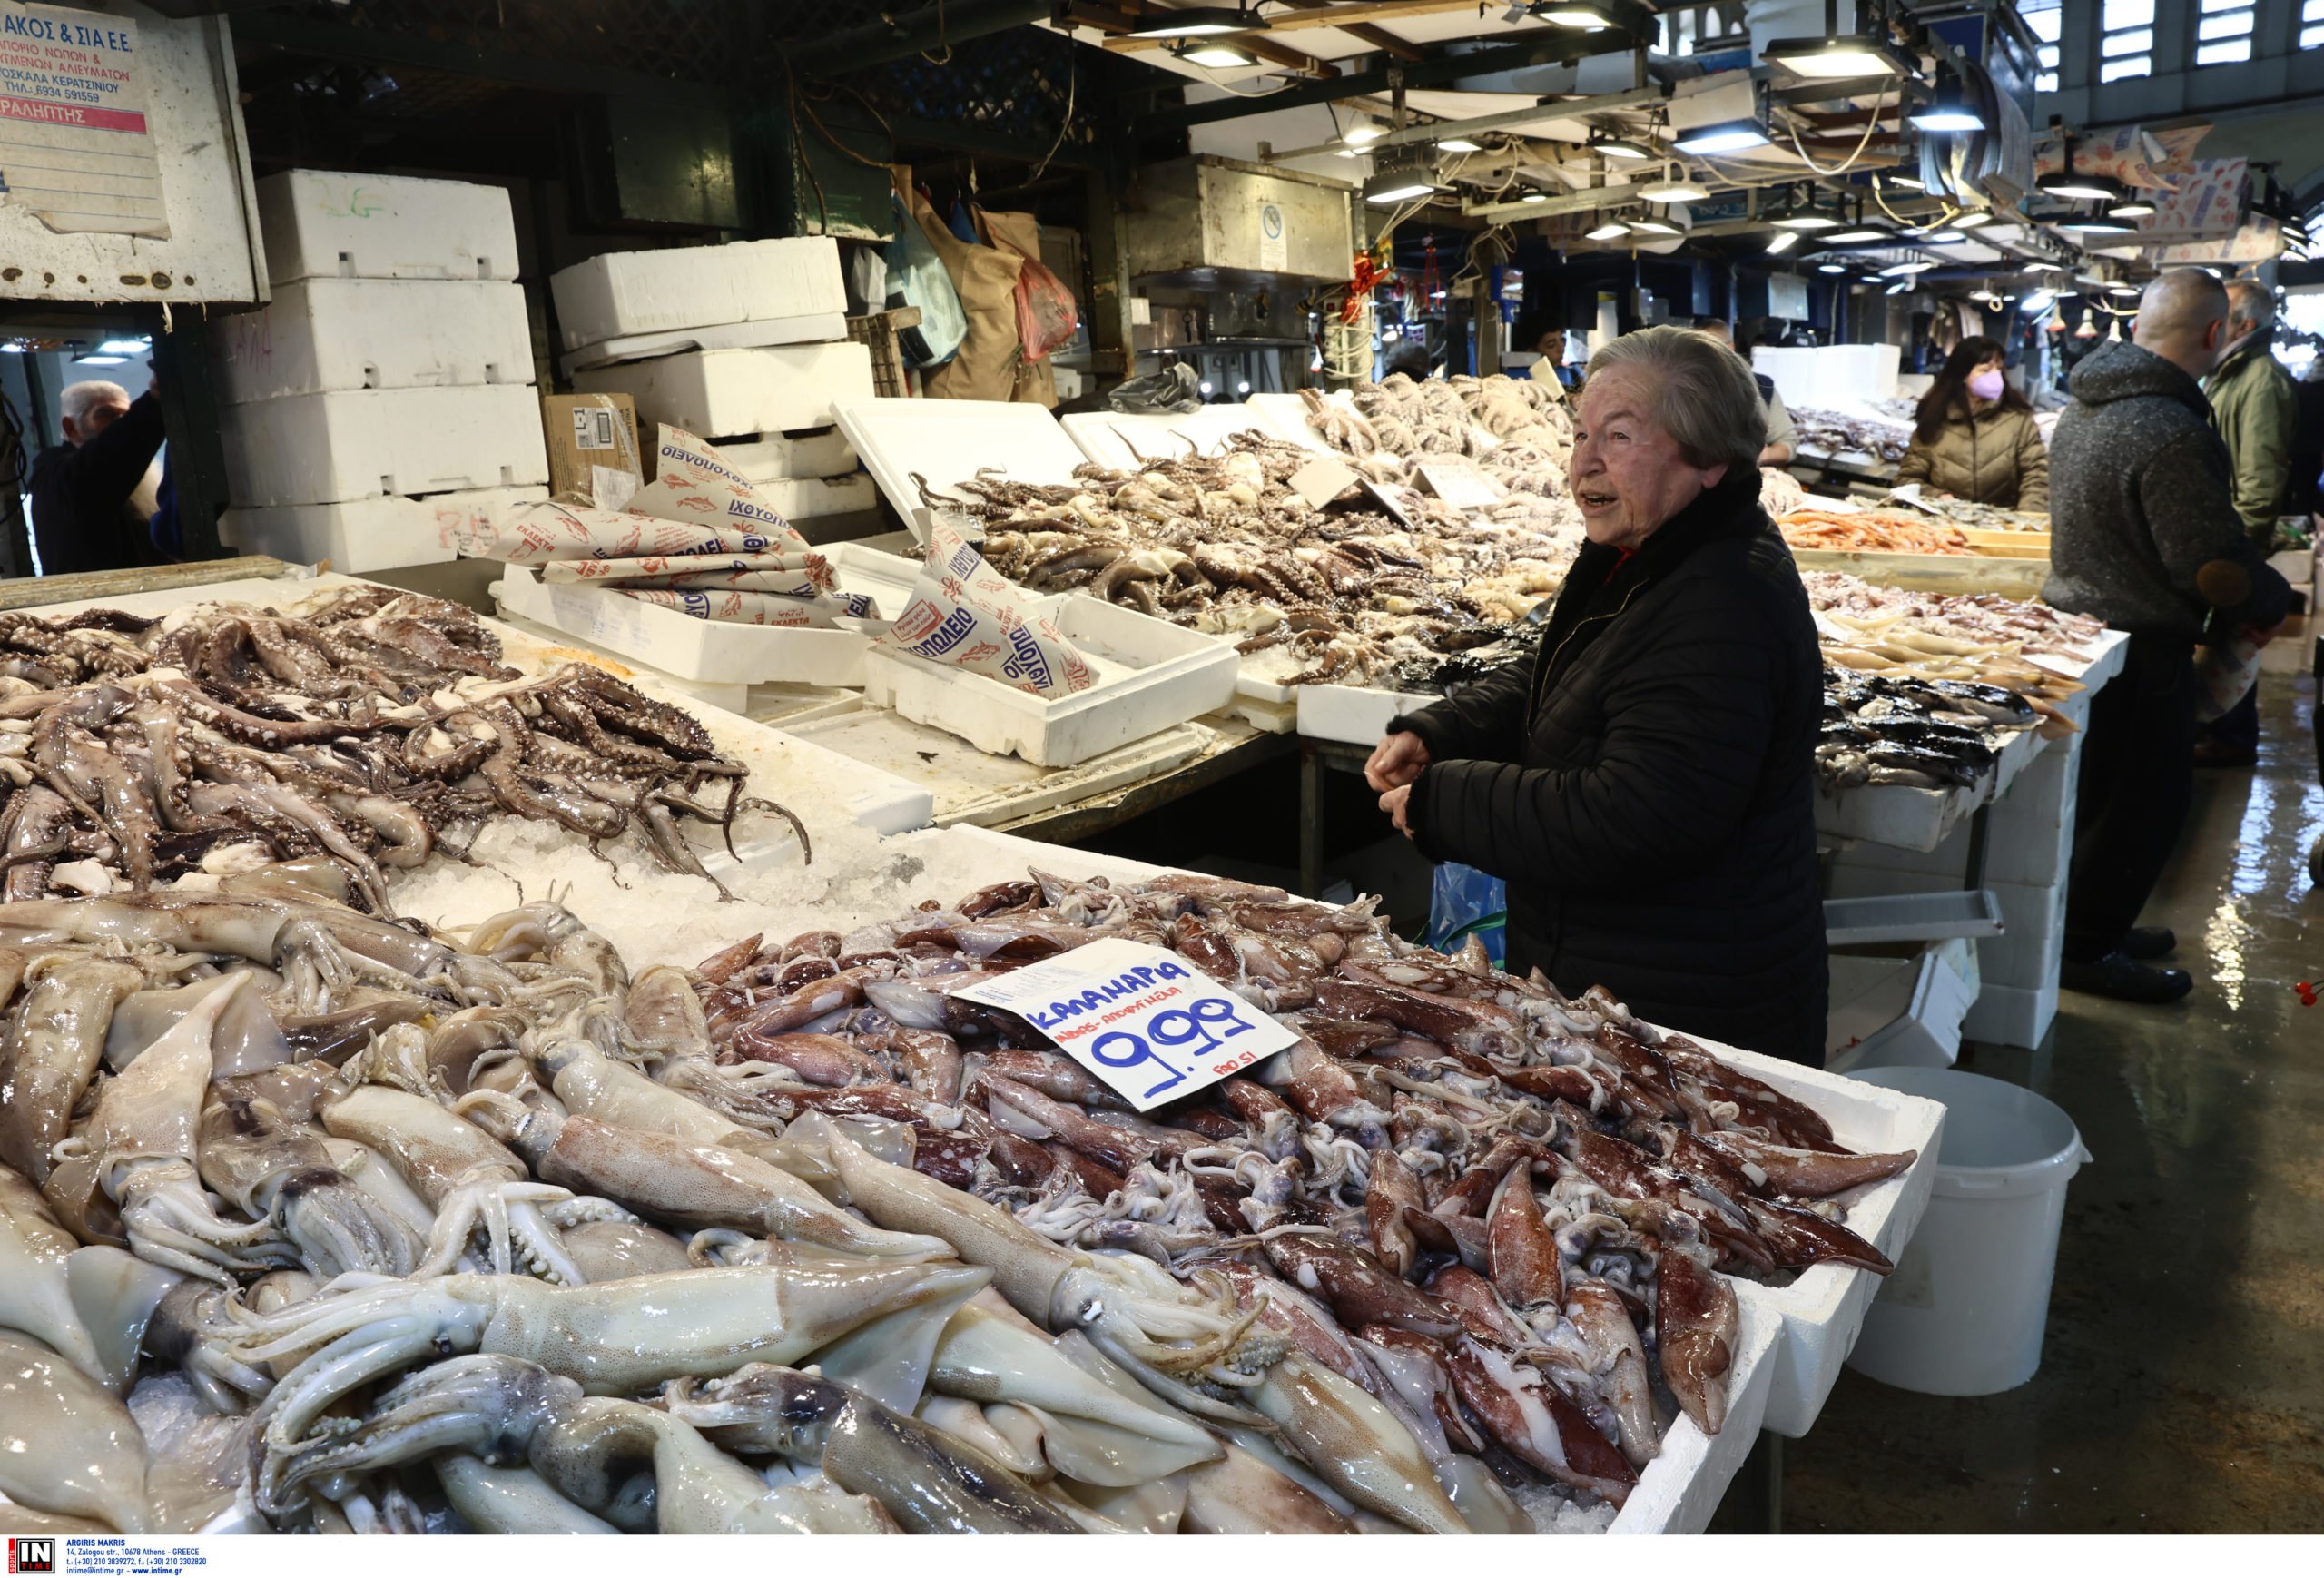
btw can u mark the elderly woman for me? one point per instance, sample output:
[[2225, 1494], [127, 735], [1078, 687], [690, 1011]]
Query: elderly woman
[[1645, 782]]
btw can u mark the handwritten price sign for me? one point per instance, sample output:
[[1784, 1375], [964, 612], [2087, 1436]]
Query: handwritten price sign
[[1141, 1018]]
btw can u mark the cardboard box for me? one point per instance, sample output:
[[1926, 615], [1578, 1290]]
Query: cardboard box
[[585, 432], [329, 224]]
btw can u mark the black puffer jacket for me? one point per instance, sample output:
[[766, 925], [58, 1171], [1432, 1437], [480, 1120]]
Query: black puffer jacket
[[1646, 784]]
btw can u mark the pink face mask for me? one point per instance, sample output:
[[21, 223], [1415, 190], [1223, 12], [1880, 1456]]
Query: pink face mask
[[1987, 385]]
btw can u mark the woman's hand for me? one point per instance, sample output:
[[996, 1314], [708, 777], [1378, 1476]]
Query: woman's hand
[[1396, 762], [1395, 802]]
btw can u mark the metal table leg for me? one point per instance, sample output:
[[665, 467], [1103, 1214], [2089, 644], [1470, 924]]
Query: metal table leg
[[1311, 818]]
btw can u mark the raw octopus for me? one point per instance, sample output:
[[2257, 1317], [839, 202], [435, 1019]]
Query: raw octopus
[[349, 733], [369, 1227]]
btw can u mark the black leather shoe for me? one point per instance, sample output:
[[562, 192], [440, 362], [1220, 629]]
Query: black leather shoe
[[2150, 942], [2118, 975]]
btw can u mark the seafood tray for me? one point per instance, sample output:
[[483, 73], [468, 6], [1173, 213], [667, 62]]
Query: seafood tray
[[1920, 819], [1150, 675], [946, 440], [1350, 714], [1957, 574], [713, 649]]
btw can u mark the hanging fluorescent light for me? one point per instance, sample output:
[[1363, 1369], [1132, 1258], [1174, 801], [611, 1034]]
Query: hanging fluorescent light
[[1673, 189], [1459, 146], [1912, 266], [2098, 222], [1535, 197], [1805, 219], [1899, 287], [1949, 111], [1724, 137], [2064, 182], [2042, 268], [1857, 235], [126, 347], [1397, 186], [1656, 225], [1215, 55], [1619, 148], [1831, 268], [1193, 21], [1579, 15], [99, 360], [1609, 229], [1970, 219], [1363, 129], [1943, 238], [1782, 241], [2136, 208], [2036, 302], [1836, 55]]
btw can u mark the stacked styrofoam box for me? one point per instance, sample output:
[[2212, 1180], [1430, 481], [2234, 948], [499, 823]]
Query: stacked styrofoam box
[[2029, 844], [747, 340], [385, 397]]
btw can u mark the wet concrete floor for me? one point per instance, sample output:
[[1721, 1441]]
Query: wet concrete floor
[[2181, 1386]]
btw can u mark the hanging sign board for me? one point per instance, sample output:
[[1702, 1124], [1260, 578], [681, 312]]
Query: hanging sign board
[[1139, 1017], [74, 145]]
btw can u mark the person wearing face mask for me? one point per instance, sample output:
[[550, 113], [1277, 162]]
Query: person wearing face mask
[[1645, 782], [1975, 437], [2144, 534]]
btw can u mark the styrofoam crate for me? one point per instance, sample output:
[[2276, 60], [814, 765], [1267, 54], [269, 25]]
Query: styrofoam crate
[[1350, 714], [715, 392], [1150, 675], [617, 295], [2013, 1016], [712, 649], [1891, 1011], [772, 455], [2029, 964], [950, 441], [329, 224], [808, 330], [1678, 1492], [323, 448], [322, 335], [804, 498], [359, 535], [1822, 1311]]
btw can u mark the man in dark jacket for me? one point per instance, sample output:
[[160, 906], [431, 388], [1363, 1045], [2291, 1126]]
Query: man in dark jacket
[[80, 489], [2145, 535], [1645, 782]]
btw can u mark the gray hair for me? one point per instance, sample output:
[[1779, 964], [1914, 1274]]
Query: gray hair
[[1704, 396], [79, 398], [2252, 301]]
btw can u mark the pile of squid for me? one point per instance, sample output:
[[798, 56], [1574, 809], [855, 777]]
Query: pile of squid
[[1225, 545], [355, 731], [310, 1220]]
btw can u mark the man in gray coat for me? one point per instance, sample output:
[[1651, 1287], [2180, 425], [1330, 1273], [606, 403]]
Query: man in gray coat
[[2145, 535]]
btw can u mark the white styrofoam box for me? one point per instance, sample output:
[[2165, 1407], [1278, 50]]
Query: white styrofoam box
[[1912, 916], [1831, 375], [771, 390], [1125, 441], [2013, 1016], [327, 225], [950, 441], [2029, 964], [1920, 819], [324, 334], [1887, 1012], [1286, 414], [1351, 714], [323, 448], [804, 498], [1150, 675], [713, 650], [2028, 832], [618, 294], [1678, 1492], [1822, 1311], [805, 329], [772, 455], [359, 536]]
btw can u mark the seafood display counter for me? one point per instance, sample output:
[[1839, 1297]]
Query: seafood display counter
[[320, 1219]]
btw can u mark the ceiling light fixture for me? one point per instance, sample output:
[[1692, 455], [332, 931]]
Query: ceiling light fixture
[[1782, 242], [1459, 146], [126, 347], [1619, 148], [1723, 137], [1949, 111], [2136, 208], [1831, 268], [1609, 229], [1911, 266], [1213, 54], [1394, 186], [99, 360], [2064, 182], [1673, 189], [1363, 129], [1857, 235], [1535, 197], [1658, 224], [1579, 15], [1943, 238], [1834, 55], [2104, 221], [1971, 218], [1194, 21]]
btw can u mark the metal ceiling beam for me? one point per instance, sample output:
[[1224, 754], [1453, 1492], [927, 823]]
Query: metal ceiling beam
[[1552, 45], [893, 37], [1379, 38], [1114, 23]]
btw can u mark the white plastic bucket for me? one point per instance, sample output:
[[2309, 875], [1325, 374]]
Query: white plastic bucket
[[1962, 1315]]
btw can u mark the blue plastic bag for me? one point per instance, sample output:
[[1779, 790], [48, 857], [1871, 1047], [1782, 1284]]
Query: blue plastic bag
[[1465, 903]]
